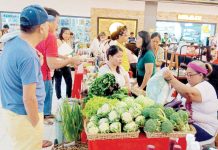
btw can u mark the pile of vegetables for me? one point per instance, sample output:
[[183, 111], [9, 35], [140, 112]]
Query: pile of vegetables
[[121, 116], [166, 120], [106, 86], [95, 103]]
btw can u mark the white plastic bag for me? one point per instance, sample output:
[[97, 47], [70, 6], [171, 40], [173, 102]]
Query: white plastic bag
[[157, 88], [65, 49]]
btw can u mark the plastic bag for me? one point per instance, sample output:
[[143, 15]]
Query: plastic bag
[[65, 49], [157, 88]]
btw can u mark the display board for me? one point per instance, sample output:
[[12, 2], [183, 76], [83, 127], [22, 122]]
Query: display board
[[190, 32], [12, 19], [80, 26]]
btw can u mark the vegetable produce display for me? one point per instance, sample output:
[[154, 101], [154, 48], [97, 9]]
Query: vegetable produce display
[[166, 120], [116, 117], [106, 86], [112, 116]]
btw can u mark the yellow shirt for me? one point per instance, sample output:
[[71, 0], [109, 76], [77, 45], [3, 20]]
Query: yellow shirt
[[125, 61]]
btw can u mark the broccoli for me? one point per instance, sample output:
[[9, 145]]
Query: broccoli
[[157, 113], [167, 127], [186, 127], [168, 111], [177, 121], [145, 112], [152, 125], [184, 115]]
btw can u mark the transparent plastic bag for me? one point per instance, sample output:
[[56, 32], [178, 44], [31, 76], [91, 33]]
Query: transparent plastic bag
[[157, 88]]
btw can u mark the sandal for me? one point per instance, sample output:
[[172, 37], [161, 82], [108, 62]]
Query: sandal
[[46, 143], [49, 116], [48, 122]]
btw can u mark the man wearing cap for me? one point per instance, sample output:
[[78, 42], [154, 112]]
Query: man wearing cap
[[49, 50], [22, 91]]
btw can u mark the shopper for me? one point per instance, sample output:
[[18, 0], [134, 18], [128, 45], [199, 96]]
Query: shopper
[[120, 38], [98, 44], [201, 98], [4, 30], [49, 50], [166, 39], [114, 56], [158, 51], [146, 63], [133, 59], [132, 38], [64, 38], [22, 91]]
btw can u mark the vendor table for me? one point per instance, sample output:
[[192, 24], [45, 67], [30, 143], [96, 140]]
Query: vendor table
[[139, 143]]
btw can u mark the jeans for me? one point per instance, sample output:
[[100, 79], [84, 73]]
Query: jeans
[[48, 97], [66, 73]]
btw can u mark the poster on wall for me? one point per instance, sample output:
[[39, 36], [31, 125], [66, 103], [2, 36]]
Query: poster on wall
[[11, 19], [80, 26]]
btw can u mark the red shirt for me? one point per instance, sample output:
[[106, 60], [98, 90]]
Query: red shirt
[[48, 48]]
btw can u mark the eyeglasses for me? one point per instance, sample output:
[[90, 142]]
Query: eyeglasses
[[190, 75]]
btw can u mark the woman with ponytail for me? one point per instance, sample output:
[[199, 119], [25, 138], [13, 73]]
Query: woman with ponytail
[[200, 96]]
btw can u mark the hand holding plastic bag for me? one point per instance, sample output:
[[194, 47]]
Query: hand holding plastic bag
[[157, 88]]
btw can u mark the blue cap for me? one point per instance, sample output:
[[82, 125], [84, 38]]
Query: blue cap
[[34, 15]]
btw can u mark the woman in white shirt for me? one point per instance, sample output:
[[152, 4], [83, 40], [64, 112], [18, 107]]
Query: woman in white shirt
[[201, 98], [114, 56], [97, 44], [158, 51], [64, 38]]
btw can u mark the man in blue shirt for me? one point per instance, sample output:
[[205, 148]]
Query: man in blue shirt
[[22, 91]]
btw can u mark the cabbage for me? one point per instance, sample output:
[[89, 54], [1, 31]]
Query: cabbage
[[94, 119], [129, 101], [103, 120], [135, 110], [113, 116], [144, 101], [130, 127], [115, 127], [91, 124], [104, 110], [104, 128], [126, 117], [121, 107], [140, 121], [93, 130]]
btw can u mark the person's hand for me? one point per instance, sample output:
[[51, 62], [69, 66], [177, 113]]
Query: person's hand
[[76, 60], [34, 120], [168, 75]]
